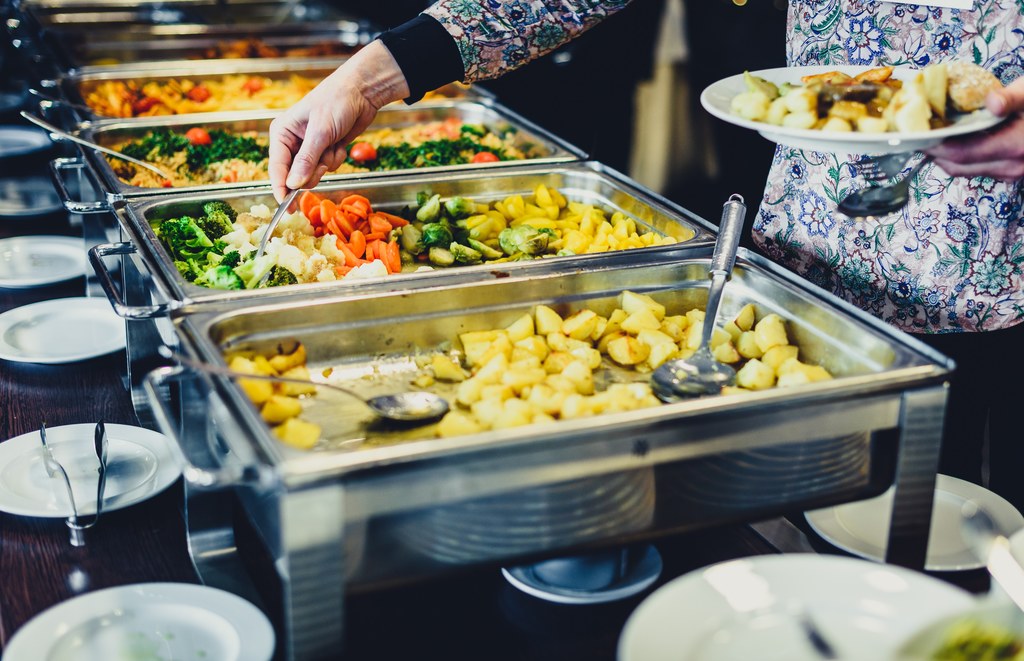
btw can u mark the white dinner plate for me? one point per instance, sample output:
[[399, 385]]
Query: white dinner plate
[[147, 622], [61, 330], [32, 261], [140, 464], [862, 528], [746, 609], [717, 98]]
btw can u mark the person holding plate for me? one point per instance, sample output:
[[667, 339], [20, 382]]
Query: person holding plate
[[949, 267]]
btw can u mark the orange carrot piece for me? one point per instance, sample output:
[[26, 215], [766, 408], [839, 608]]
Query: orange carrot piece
[[375, 236], [307, 201], [357, 205], [331, 227], [328, 210], [396, 221], [380, 224], [314, 216], [342, 270], [357, 242], [350, 258], [393, 256]]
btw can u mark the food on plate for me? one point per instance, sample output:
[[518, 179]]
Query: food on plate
[[545, 367], [253, 47], [280, 404], [970, 640], [327, 240], [870, 102], [198, 156]]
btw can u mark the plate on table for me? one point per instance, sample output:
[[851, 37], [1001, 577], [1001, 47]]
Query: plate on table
[[28, 197], [748, 609], [862, 527], [717, 99], [61, 330], [140, 464], [33, 261], [147, 622]]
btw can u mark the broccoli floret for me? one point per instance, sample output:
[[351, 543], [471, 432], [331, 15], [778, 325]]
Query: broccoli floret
[[216, 223], [220, 206], [280, 276], [429, 210], [464, 254], [188, 269], [523, 239], [184, 238], [436, 234], [459, 207], [231, 258], [220, 277], [253, 270]]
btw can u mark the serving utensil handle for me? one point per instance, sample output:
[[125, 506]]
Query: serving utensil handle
[[729, 230]]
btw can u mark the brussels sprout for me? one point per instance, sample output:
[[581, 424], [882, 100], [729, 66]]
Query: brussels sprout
[[441, 256], [484, 249], [412, 239], [436, 234], [430, 210], [464, 254], [523, 239], [459, 207]]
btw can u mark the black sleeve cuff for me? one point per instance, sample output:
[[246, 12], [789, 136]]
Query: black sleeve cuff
[[426, 53]]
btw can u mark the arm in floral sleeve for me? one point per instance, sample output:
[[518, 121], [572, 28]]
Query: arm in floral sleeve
[[495, 37]]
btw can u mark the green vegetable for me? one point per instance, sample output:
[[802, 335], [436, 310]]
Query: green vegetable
[[184, 238], [218, 219], [430, 210], [188, 269], [464, 254], [220, 277], [432, 153], [280, 276], [412, 239], [231, 258], [756, 84], [473, 129], [436, 234], [214, 206], [441, 256], [223, 146], [484, 249], [253, 270], [459, 207], [524, 239]]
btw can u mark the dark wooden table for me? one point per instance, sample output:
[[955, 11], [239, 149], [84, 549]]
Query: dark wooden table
[[469, 615]]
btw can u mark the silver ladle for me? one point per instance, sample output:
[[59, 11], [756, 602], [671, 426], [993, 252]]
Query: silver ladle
[[701, 374], [43, 124], [405, 407], [880, 200]]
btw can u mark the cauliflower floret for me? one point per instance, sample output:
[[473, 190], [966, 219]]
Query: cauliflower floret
[[374, 269], [241, 240], [261, 211], [288, 256], [329, 248], [327, 275], [294, 223], [248, 222]]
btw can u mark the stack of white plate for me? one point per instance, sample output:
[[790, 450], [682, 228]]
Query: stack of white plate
[[533, 520]]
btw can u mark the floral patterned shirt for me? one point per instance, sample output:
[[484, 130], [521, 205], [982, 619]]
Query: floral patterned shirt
[[496, 36], [951, 261]]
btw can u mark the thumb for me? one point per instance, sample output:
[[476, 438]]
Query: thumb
[[1007, 100], [308, 157]]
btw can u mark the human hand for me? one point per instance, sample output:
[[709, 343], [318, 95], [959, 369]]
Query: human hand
[[998, 153], [308, 140]]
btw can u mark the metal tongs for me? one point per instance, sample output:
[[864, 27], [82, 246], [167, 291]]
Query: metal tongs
[[54, 468]]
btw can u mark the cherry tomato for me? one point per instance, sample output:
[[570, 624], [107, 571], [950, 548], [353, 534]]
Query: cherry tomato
[[198, 136], [362, 152], [142, 105], [167, 183], [485, 157], [252, 85], [198, 93]]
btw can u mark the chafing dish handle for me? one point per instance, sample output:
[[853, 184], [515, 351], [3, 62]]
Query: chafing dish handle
[[96, 255], [57, 168], [234, 473]]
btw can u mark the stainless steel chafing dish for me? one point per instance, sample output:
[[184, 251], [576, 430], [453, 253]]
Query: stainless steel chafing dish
[[155, 289], [339, 519], [495, 116], [94, 13]]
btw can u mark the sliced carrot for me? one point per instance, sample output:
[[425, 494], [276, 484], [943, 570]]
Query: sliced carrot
[[358, 205], [393, 256], [379, 223], [350, 258], [307, 201], [375, 236], [328, 210], [342, 270], [357, 242], [344, 224], [314, 216], [332, 227], [396, 221]]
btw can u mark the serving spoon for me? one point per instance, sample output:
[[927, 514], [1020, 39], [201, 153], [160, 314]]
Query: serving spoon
[[880, 200], [414, 406], [41, 123], [701, 374]]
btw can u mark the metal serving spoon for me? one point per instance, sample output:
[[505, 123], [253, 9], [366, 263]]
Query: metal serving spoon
[[880, 200], [41, 123], [282, 209], [405, 407], [701, 374]]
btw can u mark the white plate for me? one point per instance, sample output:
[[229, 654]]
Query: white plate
[[717, 97], [147, 622], [28, 197], [742, 610], [22, 140], [861, 528], [61, 330], [140, 463], [32, 261]]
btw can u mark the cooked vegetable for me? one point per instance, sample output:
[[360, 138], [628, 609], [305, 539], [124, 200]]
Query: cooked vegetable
[[464, 254], [218, 219], [437, 234], [441, 256], [429, 210], [220, 277], [362, 152], [485, 157], [184, 238], [253, 270], [523, 239], [198, 136], [459, 207], [280, 276]]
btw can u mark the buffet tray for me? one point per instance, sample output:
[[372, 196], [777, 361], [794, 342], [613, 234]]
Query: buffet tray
[[102, 13], [424, 506], [588, 182], [396, 116]]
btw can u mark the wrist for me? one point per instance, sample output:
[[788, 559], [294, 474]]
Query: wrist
[[381, 79]]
